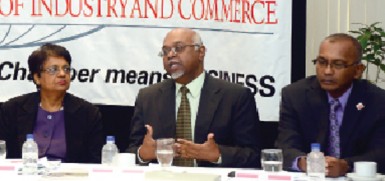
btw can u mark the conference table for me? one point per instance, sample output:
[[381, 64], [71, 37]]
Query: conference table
[[10, 169]]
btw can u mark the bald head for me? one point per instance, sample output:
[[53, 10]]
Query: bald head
[[192, 36]]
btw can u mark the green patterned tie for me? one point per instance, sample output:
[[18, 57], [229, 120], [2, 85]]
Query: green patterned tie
[[183, 126]]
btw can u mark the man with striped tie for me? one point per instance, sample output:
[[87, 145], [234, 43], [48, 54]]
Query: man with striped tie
[[335, 108]]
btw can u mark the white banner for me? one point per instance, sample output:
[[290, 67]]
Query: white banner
[[114, 44]]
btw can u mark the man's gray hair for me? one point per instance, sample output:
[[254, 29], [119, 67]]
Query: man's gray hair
[[196, 39]]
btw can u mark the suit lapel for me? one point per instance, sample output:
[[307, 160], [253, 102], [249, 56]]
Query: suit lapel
[[27, 117], [166, 106], [208, 104], [351, 113], [319, 106], [72, 131]]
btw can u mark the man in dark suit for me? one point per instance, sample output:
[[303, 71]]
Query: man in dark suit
[[306, 115], [224, 119]]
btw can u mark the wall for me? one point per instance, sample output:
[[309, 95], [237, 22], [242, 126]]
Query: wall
[[116, 119], [331, 16]]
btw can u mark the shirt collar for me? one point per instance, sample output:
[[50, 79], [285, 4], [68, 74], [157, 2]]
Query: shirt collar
[[195, 86], [342, 99]]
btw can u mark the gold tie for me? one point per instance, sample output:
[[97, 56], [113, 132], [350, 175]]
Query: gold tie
[[183, 126]]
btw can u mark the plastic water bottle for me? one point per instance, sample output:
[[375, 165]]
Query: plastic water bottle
[[109, 151], [30, 156], [315, 163]]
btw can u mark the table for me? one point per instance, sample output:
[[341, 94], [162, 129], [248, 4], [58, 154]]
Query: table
[[81, 172]]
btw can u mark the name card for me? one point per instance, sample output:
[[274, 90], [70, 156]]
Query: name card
[[260, 175], [8, 169], [102, 170], [279, 177], [131, 171], [246, 175]]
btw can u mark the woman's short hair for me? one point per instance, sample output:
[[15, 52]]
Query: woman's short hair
[[38, 57]]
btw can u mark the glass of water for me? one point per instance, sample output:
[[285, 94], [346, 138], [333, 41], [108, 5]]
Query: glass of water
[[271, 160], [165, 151], [51, 165], [2, 150]]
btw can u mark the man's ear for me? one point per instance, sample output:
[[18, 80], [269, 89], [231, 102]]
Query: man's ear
[[202, 52], [360, 68]]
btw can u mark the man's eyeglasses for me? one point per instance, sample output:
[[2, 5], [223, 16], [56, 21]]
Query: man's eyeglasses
[[322, 63], [53, 70], [176, 49]]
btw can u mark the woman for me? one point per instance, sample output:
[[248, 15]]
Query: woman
[[64, 126]]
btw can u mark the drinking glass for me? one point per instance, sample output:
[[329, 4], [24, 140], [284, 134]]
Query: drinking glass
[[271, 160], [2, 150], [165, 151], [51, 165]]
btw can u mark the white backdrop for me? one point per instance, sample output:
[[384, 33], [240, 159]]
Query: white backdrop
[[114, 44]]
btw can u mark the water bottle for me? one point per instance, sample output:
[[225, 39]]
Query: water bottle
[[109, 151], [30, 156], [315, 163]]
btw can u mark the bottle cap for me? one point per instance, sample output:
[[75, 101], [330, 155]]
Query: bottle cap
[[29, 136], [110, 139], [315, 147]]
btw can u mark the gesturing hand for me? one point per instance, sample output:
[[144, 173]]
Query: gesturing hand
[[336, 167], [207, 151], [147, 149]]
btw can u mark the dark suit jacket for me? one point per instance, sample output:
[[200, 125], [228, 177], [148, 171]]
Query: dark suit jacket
[[225, 109], [304, 119], [83, 127]]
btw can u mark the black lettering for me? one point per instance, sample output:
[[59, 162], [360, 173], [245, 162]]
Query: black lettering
[[213, 73], [73, 74], [18, 70], [7, 76], [115, 75], [270, 88], [239, 78], [225, 76], [155, 75], [143, 77], [83, 75], [250, 83], [166, 76], [131, 77], [93, 73]]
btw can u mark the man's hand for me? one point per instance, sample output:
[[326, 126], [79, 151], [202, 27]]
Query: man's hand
[[147, 149], [302, 165], [336, 167], [207, 151]]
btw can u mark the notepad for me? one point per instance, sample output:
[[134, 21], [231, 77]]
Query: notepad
[[177, 176]]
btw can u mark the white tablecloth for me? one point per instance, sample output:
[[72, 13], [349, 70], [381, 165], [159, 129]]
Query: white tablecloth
[[68, 171]]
